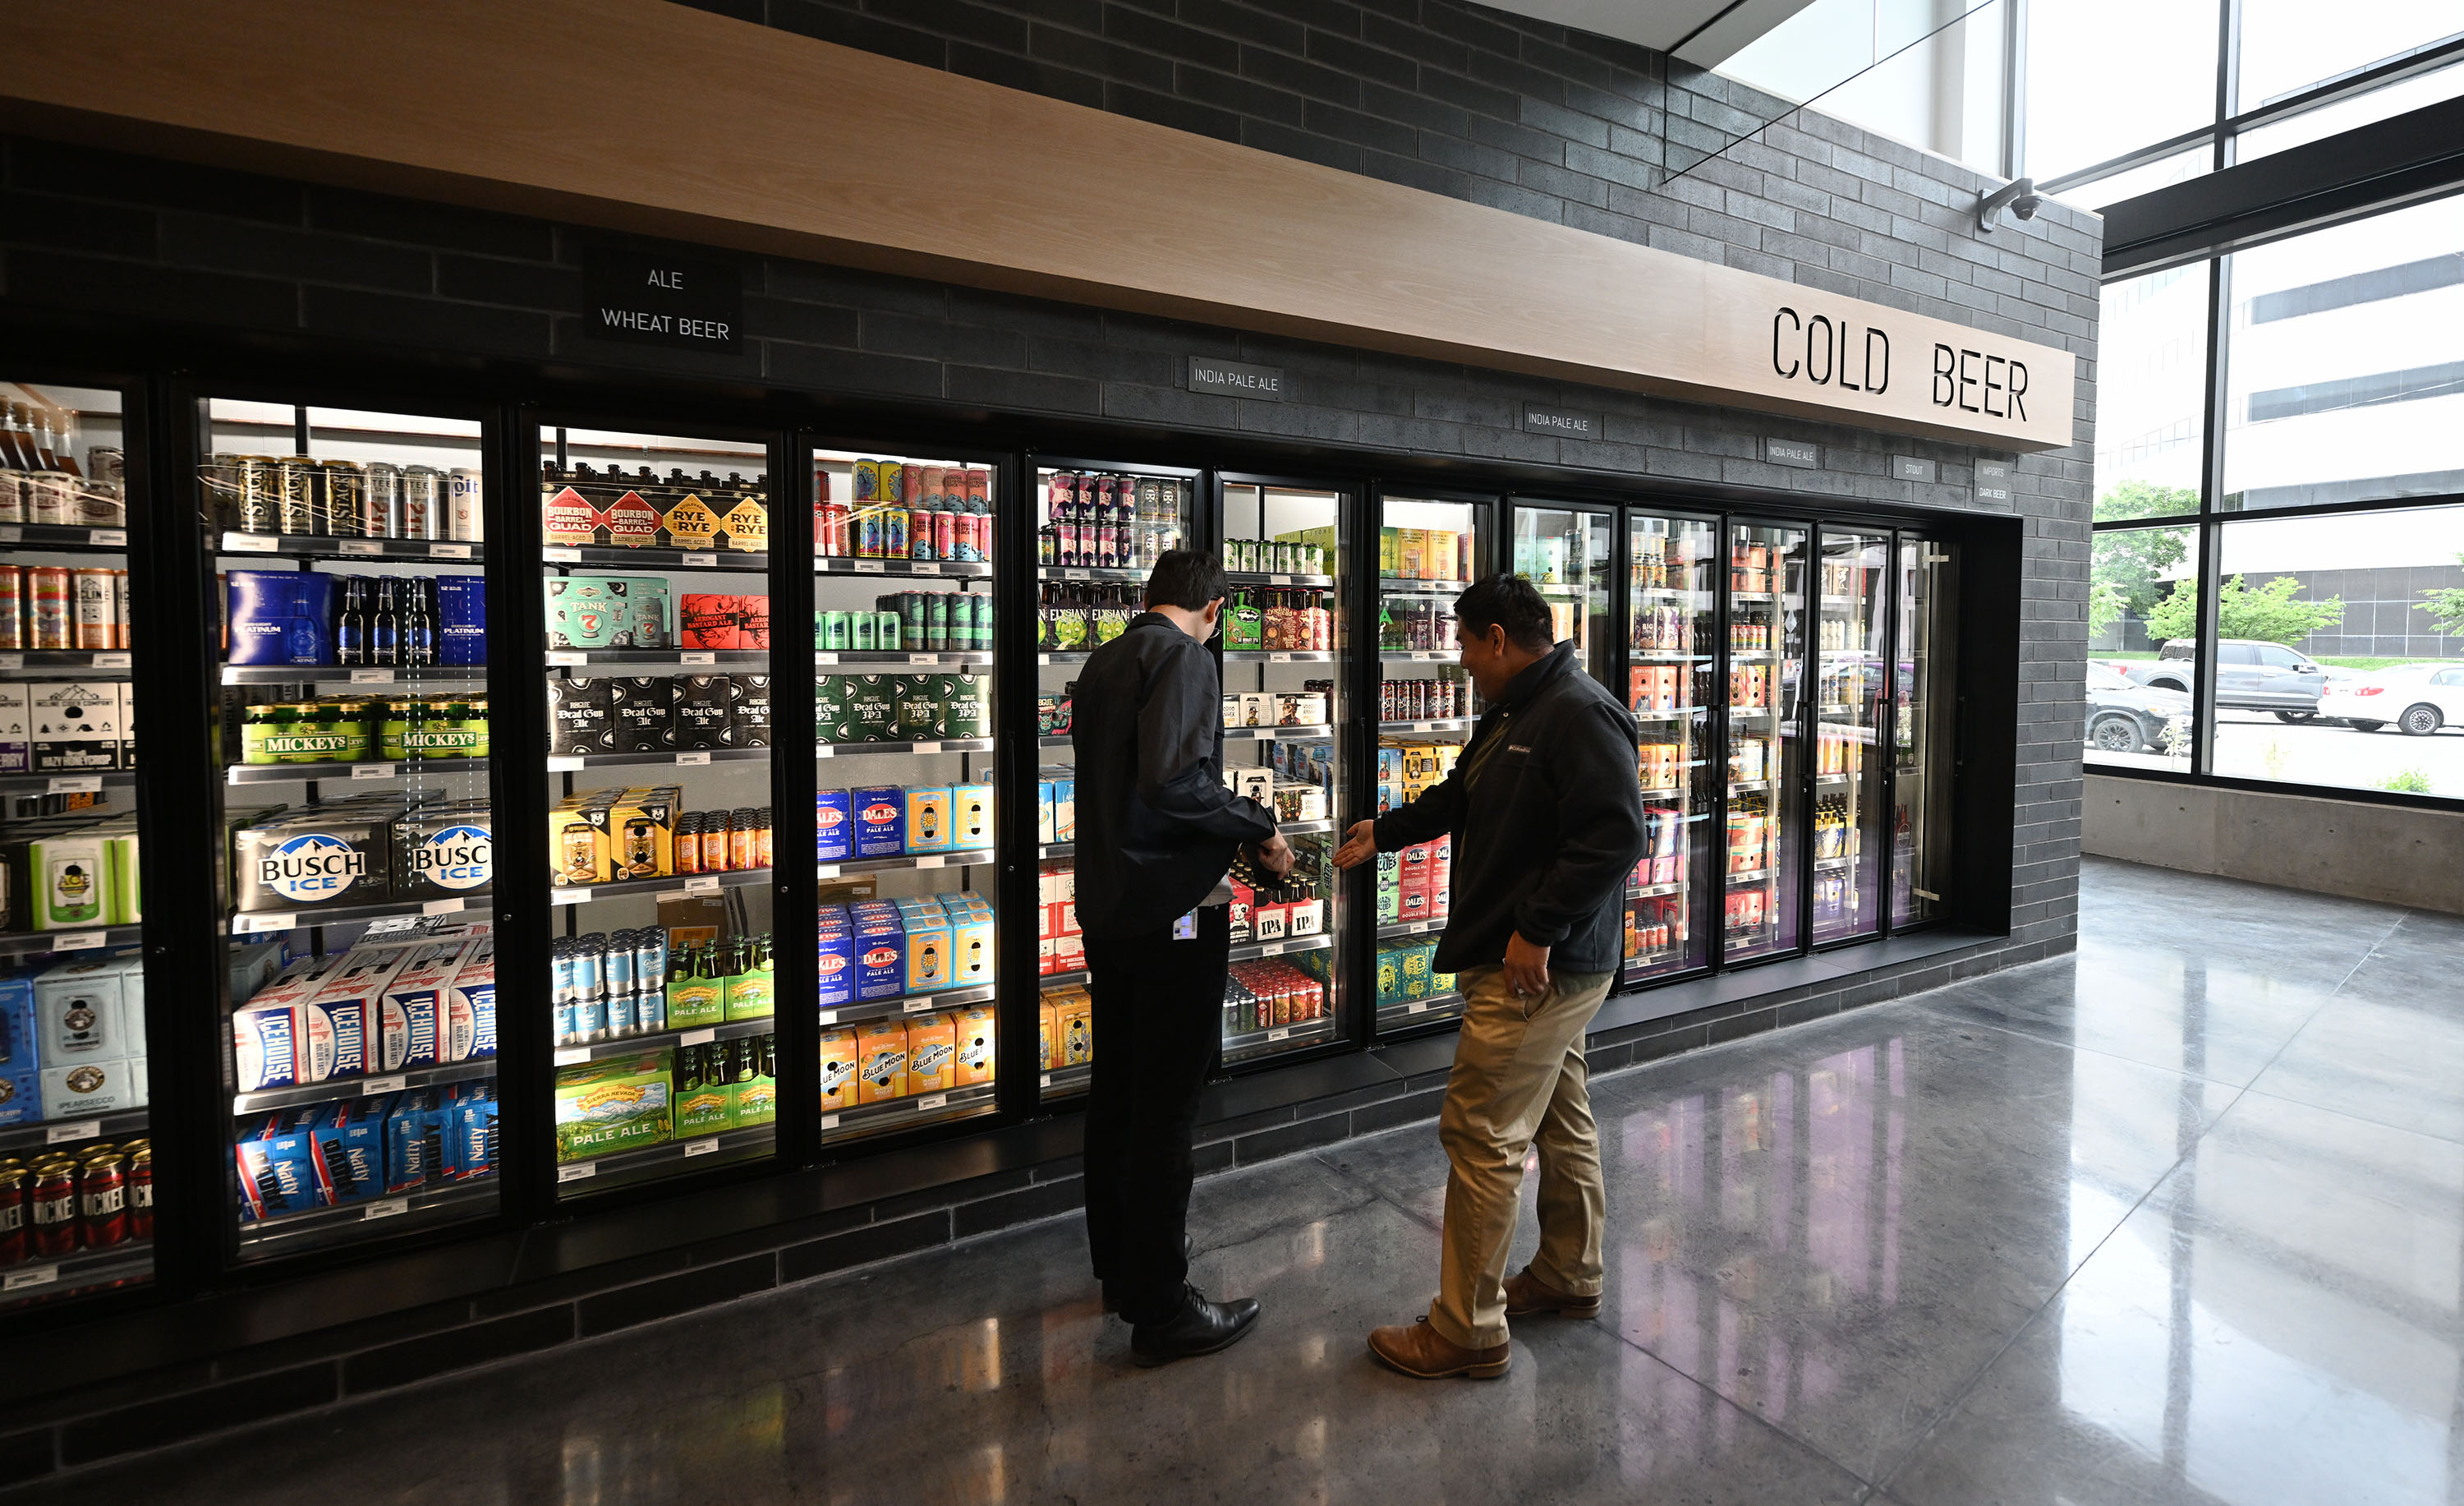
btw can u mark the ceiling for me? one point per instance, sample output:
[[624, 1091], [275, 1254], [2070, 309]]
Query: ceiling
[[1710, 30]]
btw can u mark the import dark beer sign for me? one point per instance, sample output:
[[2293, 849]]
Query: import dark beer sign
[[652, 298]]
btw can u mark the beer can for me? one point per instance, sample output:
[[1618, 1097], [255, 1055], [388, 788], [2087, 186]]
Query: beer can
[[893, 485], [12, 607], [90, 622], [50, 497], [102, 1201], [764, 829], [685, 841], [381, 500], [919, 533], [945, 535], [52, 1227], [13, 497], [423, 502], [910, 620], [255, 491], [833, 631], [936, 621], [912, 492], [866, 485], [120, 635], [743, 840], [713, 843], [832, 541], [345, 497], [462, 513], [302, 495], [885, 632], [107, 463], [48, 621], [141, 1192], [12, 1214], [893, 532], [861, 635]]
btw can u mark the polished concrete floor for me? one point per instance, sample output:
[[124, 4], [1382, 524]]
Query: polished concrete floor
[[2178, 1219]]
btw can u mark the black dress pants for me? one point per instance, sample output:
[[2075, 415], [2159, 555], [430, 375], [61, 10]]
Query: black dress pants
[[1159, 1025]]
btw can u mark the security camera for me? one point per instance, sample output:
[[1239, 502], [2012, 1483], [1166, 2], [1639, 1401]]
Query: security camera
[[2019, 196]]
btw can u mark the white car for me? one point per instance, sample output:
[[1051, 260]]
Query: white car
[[2418, 699]]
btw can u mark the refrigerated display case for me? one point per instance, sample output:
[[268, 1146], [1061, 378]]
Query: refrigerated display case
[[1100, 527], [1288, 743], [1766, 744], [1429, 547], [1852, 689], [1564, 551], [76, 1206], [1923, 597], [906, 771], [354, 821], [655, 593], [1673, 616]]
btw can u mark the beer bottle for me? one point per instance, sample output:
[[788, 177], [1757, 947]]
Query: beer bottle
[[384, 630], [418, 624], [351, 626], [689, 1070]]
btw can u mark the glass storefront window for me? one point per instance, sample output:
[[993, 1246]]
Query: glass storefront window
[[2287, 45], [2340, 653], [2150, 367], [2346, 370], [2107, 76], [2130, 184], [2378, 105], [2143, 627]]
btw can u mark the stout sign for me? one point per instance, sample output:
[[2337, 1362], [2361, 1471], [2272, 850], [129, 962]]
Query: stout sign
[[642, 299]]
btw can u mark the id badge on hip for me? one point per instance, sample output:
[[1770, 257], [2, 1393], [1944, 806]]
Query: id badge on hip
[[1185, 929]]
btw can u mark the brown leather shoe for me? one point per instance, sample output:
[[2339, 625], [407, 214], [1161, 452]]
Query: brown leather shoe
[[1528, 1296], [1425, 1353]]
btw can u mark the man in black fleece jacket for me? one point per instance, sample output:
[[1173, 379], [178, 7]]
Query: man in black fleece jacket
[[1546, 812]]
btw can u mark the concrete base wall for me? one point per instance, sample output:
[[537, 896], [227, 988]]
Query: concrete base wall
[[2396, 853]]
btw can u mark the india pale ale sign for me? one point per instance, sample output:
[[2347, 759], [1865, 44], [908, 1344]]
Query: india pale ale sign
[[652, 298]]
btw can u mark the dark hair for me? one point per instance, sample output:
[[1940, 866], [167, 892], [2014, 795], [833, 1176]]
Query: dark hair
[[1185, 578], [1510, 602]]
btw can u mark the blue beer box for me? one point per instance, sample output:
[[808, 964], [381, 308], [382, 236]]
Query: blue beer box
[[837, 963], [348, 1141], [880, 820], [880, 952], [277, 1171], [467, 1122], [833, 826], [411, 1130]]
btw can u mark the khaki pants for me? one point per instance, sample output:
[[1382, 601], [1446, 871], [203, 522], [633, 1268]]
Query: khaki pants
[[1518, 1077]]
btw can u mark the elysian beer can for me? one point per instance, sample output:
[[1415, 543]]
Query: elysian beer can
[[94, 609], [49, 617]]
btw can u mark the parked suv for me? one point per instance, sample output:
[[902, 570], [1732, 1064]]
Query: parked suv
[[2251, 675]]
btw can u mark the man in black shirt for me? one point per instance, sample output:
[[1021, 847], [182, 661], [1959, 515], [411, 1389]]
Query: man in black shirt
[[1157, 830], [1545, 812]]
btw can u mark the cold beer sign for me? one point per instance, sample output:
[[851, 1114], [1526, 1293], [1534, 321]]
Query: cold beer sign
[[1856, 358], [640, 298]]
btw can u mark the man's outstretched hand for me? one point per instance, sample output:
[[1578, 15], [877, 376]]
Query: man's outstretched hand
[[1359, 845]]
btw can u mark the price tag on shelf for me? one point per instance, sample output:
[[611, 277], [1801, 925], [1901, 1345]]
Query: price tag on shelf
[[1279, 580], [691, 760], [923, 658], [1422, 655], [1417, 1006], [701, 1147], [1043, 659], [372, 771], [448, 906], [928, 747], [1047, 1080], [361, 547], [564, 763], [919, 1006], [385, 1208], [700, 1037], [448, 551], [573, 1056], [871, 566], [17, 661], [247, 924], [1281, 1033], [570, 896], [702, 884], [829, 1121], [825, 870], [111, 661], [829, 1017], [561, 554], [698, 658], [31, 1275], [106, 538], [931, 1102], [249, 544], [373, 1086], [1415, 927], [577, 1173], [566, 656], [74, 784], [707, 562], [825, 659], [62, 1134], [934, 861], [10, 533], [926, 567], [380, 677], [825, 750], [1269, 948], [1075, 575]]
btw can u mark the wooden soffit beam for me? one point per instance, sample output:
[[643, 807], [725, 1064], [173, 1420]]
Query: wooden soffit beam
[[655, 119]]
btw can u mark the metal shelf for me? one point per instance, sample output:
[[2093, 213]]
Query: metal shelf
[[861, 659], [1090, 572], [624, 1162], [25, 943], [1272, 578], [663, 885], [1060, 980], [1749, 786], [1300, 1033], [1678, 713], [915, 1109], [906, 1004], [903, 569], [573, 763], [1655, 891], [1397, 930], [941, 745], [262, 922], [1304, 827], [619, 556], [1270, 734], [1063, 655], [1760, 875], [64, 1132], [1248, 951], [1062, 1082], [435, 676], [1405, 1010], [66, 784], [1416, 655], [1056, 850], [319, 1225], [87, 1268], [1446, 724], [665, 1040], [63, 537], [664, 658], [404, 768], [1821, 864], [967, 857], [1394, 585], [1656, 656], [333, 546], [32, 660], [334, 1088], [1278, 656]]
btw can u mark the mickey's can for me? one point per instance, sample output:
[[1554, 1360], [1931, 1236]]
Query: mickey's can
[[102, 1201]]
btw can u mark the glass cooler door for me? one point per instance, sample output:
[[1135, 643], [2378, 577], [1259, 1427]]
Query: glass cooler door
[[1925, 597], [1286, 744], [1428, 550], [1565, 552], [77, 1168], [903, 657], [353, 739], [1674, 603], [1100, 527], [655, 560], [1765, 754], [1851, 686]]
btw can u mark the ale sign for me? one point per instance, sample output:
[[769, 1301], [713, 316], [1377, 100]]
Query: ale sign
[[652, 298]]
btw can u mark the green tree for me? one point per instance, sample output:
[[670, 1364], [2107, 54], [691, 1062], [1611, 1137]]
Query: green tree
[[2127, 575], [2268, 614], [2103, 607], [2445, 608]]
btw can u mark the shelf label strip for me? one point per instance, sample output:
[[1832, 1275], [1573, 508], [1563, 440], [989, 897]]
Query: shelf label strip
[[62, 1134], [701, 1147], [386, 1208]]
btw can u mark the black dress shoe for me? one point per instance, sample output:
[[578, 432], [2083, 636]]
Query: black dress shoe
[[1188, 1253], [1200, 1328]]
